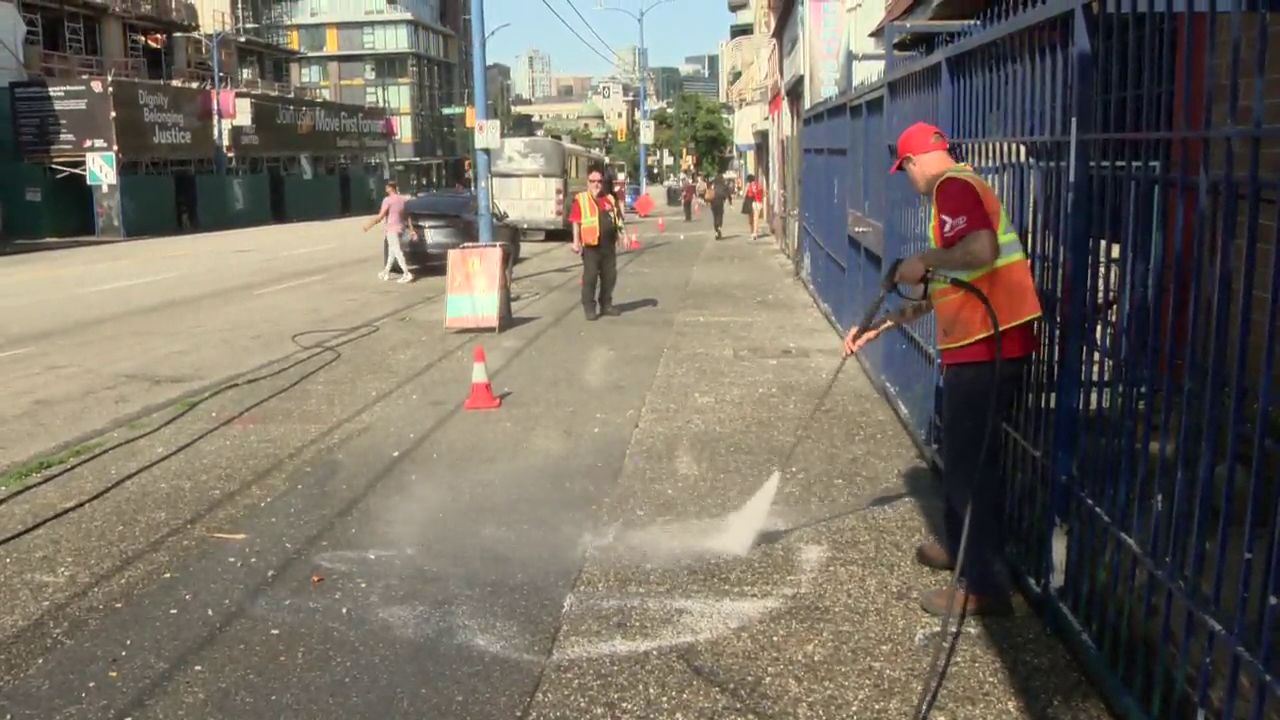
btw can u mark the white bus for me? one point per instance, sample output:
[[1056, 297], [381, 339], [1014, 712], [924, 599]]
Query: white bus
[[535, 179]]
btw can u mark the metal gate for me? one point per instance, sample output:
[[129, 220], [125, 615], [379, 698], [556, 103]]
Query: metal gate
[[1136, 146]]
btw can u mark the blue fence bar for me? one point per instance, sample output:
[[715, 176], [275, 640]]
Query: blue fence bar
[[1136, 146]]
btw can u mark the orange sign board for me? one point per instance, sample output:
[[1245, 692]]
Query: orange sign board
[[476, 296]]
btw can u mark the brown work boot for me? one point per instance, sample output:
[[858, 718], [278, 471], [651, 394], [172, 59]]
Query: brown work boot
[[935, 603], [935, 557]]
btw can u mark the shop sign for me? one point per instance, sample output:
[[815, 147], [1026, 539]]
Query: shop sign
[[290, 125]]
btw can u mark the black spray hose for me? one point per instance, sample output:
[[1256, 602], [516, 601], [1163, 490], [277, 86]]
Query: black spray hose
[[939, 664]]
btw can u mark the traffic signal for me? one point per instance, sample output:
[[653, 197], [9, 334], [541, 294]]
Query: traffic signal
[[622, 133]]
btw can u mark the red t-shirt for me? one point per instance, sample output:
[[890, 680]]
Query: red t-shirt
[[961, 212], [575, 213]]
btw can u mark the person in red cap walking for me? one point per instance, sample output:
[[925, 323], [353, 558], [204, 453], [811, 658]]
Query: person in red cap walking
[[970, 238]]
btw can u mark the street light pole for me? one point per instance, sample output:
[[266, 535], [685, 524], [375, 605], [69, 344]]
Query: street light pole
[[214, 41], [643, 71], [219, 153], [484, 203]]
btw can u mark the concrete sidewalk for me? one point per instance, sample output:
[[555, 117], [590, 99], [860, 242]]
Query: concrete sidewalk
[[820, 619]]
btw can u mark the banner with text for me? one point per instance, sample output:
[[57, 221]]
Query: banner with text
[[282, 126], [60, 119], [156, 120]]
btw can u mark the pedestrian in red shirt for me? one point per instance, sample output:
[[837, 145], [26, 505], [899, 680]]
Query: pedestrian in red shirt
[[971, 239], [687, 194]]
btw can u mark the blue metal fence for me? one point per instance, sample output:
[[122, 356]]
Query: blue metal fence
[[1136, 145]]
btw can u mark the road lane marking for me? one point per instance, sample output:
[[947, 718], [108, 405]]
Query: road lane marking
[[308, 250], [19, 351], [295, 283], [128, 283]]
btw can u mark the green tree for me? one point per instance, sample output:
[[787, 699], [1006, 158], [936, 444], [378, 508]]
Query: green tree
[[695, 123]]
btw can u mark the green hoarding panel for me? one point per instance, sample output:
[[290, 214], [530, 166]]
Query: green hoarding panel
[[232, 201], [148, 205], [35, 205], [318, 198]]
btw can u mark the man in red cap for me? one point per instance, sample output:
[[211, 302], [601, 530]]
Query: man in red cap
[[970, 238]]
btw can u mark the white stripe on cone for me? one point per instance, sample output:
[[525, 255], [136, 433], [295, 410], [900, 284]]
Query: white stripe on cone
[[479, 374]]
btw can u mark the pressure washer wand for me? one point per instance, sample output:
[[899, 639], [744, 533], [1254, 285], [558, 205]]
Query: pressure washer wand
[[887, 286]]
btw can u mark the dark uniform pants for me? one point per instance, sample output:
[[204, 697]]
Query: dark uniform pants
[[599, 267], [688, 210], [717, 214], [971, 476]]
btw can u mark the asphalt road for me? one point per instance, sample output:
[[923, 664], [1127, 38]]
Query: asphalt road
[[89, 335]]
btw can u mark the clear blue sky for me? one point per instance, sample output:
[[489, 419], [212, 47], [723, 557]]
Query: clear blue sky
[[673, 31]]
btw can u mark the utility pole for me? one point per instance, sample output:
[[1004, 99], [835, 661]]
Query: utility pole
[[643, 71], [213, 41], [480, 92]]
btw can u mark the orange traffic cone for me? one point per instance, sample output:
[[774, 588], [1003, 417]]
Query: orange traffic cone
[[662, 225], [481, 397], [634, 243]]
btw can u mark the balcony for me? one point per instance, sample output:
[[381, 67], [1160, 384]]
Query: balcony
[[738, 5]]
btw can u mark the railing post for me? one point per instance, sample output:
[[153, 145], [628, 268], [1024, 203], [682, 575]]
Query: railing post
[[1075, 282]]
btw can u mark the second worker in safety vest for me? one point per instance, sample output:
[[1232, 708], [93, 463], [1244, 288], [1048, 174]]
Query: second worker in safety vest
[[597, 228], [970, 238]]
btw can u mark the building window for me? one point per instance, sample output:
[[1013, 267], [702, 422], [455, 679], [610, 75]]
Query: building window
[[375, 7], [313, 71], [385, 36], [386, 68], [311, 39]]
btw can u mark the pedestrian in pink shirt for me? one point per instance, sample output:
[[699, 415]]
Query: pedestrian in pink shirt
[[395, 222]]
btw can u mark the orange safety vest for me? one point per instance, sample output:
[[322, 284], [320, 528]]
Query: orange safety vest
[[1007, 283], [590, 225]]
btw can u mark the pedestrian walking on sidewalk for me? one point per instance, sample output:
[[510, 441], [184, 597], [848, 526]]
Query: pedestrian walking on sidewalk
[[971, 238], [753, 204], [396, 223], [597, 225], [718, 195], [686, 198]]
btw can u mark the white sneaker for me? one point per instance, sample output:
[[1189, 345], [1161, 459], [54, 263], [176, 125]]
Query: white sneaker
[[383, 276], [405, 279]]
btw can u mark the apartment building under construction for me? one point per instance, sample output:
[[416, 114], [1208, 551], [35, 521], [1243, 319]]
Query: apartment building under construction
[[111, 125]]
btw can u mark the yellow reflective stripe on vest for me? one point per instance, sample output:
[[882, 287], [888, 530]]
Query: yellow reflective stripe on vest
[[590, 213]]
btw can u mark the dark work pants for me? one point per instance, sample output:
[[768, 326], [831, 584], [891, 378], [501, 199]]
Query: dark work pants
[[688, 210], [971, 476], [717, 215], [599, 266]]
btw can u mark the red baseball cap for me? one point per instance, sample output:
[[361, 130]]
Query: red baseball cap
[[917, 140]]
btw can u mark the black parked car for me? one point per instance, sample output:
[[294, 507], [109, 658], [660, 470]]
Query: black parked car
[[446, 219]]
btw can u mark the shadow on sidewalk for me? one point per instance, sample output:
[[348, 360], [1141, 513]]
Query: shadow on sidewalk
[[1041, 671]]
